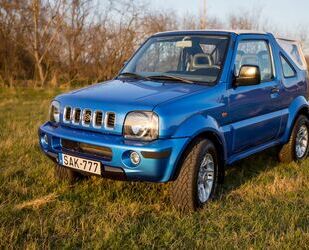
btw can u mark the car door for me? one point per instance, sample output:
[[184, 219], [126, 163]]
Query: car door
[[254, 113]]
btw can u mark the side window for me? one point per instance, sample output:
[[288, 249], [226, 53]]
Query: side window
[[288, 70], [293, 49], [255, 52]]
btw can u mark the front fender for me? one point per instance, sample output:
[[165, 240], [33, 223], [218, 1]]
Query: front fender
[[292, 113], [199, 124]]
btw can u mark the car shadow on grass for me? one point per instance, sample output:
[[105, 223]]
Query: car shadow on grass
[[249, 168], [155, 194], [236, 175]]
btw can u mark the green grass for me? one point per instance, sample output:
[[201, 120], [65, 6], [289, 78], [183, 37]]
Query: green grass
[[263, 204]]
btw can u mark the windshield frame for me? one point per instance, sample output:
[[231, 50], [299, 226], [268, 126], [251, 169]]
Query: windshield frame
[[179, 34]]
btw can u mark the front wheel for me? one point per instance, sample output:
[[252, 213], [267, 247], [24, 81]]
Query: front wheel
[[198, 178], [297, 147]]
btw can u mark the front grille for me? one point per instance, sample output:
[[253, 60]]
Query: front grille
[[67, 114], [87, 117], [85, 148], [76, 118], [111, 118], [98, 118]]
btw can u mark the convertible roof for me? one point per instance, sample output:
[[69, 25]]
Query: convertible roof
[[286, 39], [219, 31]]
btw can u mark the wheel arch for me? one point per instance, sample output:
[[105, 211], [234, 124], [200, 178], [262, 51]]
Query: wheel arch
[[218, 142], [299, 107], [302, 111]]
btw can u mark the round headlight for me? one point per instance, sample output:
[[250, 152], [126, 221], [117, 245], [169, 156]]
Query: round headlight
[[141, 125], [54, 112]]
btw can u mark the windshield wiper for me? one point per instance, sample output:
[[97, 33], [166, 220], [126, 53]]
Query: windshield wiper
[[169, 77], [154, 77], [133, 75]]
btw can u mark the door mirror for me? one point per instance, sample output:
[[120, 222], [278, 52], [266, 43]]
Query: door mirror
[[248, 75]]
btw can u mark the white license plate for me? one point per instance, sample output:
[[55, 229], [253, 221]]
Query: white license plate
[[81, 164]]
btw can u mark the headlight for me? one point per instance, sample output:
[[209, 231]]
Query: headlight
[[54, 112], [141, 125]]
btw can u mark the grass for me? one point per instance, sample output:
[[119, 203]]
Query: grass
[[263, 204]]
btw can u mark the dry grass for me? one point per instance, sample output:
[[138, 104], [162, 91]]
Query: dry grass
[[38, 202], [263, 204]]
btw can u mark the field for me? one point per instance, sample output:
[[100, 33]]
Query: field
[[263, 204]]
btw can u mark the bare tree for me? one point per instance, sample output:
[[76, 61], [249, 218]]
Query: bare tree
[[47, 20], [75, 34], [247, 19], [115, 37], [13, 55], [66, 41], [158, 22]]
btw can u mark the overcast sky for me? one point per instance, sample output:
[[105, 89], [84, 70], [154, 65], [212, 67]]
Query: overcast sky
[[283, 13]]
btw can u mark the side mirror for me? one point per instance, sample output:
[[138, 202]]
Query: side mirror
[[248, 75]]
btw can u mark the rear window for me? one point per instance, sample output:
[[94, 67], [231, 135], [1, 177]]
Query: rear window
[[287, 68], [293, 49]]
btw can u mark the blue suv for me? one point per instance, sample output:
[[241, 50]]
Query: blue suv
[[185, 106]]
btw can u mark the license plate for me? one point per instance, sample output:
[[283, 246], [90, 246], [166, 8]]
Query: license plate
[[81, 164]]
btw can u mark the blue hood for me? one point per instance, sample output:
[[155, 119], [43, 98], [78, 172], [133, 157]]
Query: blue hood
[[133, 93], [122, 97]]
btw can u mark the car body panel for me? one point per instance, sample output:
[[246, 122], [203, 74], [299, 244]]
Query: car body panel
[[254, 108], [122, 97], [151, 169]]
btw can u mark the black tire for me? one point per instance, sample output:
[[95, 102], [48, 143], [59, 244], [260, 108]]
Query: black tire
[[66, 175], [287, 152], [184, 190]]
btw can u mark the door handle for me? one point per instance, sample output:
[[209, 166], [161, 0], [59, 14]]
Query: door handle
[[275, 90]]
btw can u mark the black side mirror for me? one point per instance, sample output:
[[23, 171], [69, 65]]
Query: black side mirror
[[248, 75]]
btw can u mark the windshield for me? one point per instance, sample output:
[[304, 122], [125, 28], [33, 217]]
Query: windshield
[[195, 58]]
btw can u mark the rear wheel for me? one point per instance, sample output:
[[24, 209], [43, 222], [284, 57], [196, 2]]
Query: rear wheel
[[297, 147], [66, 175], [198, 178]]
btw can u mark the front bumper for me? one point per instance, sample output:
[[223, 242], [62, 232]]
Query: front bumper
[[158, 158]]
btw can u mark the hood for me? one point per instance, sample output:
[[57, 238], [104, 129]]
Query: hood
[[122, 97], [132, 93]]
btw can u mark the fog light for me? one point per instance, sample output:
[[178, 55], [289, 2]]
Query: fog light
[[135, 158], [44, 140]]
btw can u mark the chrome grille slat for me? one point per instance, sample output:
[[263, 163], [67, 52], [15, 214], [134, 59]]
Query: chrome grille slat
[[110, 120], [76, 116], [67, 114], [87, 117], [98, 119]]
